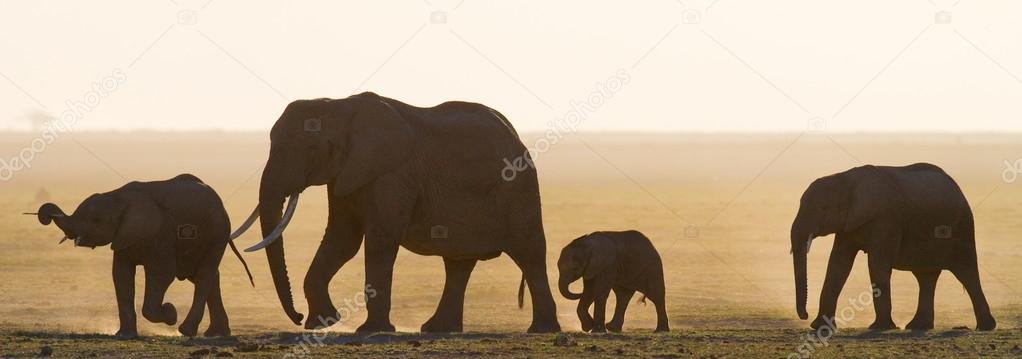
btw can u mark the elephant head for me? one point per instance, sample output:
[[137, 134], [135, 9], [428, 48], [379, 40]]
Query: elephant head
[[832, 204], [120, 217], [346, 143], [587, 257]]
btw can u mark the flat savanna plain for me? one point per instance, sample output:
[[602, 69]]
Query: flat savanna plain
[[717, 206]]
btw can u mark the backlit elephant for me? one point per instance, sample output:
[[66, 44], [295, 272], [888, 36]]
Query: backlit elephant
[[173, 228], [426, 179], [912, 218], [624, 262]]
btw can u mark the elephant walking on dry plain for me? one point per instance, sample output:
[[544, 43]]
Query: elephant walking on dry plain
[[624, 262], [431, 180], [912, 218], [173, 228]]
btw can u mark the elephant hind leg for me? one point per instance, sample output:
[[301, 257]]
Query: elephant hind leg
[[623, 297], [449, 314], [219, 325], [923, 319], [544, 311], [970, 279]]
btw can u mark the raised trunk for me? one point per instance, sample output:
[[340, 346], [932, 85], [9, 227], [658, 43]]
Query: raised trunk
[[563, 284], [799, 258], [270, 203]]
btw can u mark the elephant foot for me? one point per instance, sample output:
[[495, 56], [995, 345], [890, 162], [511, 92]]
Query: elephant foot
[[663, 329], [919, 324], [435, 325], [169, 314], [986, 325], [587, 323], [614, 327], [599, 329], [188, 329], [322, 320], [126, 334], [222, 330], [881, 325], [372, 327], [552, 327], [821, 322]]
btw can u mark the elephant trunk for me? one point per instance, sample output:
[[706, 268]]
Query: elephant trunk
[[51, 213], [799, 254], [270, 206], [562, 284]]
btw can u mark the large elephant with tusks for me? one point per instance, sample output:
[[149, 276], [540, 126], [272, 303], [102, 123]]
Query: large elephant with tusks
[[431, 180]]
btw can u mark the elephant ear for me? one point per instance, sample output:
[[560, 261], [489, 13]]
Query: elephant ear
[[140, 218], [378, 141], [868, 195], [602, 255]]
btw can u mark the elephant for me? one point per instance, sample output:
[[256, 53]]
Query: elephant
[[426, 179], [172, 228], [625, 262], [913, 218]]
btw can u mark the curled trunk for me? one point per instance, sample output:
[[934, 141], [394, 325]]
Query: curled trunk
[[563, 284]]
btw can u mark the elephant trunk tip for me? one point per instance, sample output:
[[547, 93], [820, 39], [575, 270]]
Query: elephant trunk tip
[[802, 314]]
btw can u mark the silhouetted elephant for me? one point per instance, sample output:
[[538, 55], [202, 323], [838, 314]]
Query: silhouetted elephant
[[432, 180], [912, 218], [176, 227], [623, 261]]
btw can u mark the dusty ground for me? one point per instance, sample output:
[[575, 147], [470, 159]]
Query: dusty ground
[[718, 207]]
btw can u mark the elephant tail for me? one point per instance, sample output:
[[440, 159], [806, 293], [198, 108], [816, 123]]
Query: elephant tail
[[643, 299], [521, 293], [238, 254]]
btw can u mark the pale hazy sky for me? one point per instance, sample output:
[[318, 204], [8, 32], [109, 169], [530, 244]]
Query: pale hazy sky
[[690, 65]]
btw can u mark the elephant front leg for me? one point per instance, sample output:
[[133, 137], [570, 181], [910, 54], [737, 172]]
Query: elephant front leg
[[449, 314], [379, 263], [923, 319], [158, 277], [124, 286], [624, 296], [842, 258], [342, 240], [602, 291], [880, 276], [582, 310]]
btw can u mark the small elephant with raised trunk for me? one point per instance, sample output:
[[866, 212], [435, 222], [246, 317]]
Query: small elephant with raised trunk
[[173, 228], [624, 262]]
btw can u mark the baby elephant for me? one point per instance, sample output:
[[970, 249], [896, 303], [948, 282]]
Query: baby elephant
[[173, 228], [623, 261]]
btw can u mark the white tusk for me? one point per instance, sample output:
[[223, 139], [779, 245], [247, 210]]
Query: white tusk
[[248, 223], [291, 204], [809, 243], [62, 240]]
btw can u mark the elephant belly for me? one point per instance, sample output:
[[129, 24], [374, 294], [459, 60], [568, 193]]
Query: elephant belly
[[925, 254], [469, 231]]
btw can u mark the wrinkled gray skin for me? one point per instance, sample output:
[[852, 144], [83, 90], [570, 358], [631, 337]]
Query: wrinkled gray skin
[[173, 228], [394, 174], [912, 218], [624, 262]]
